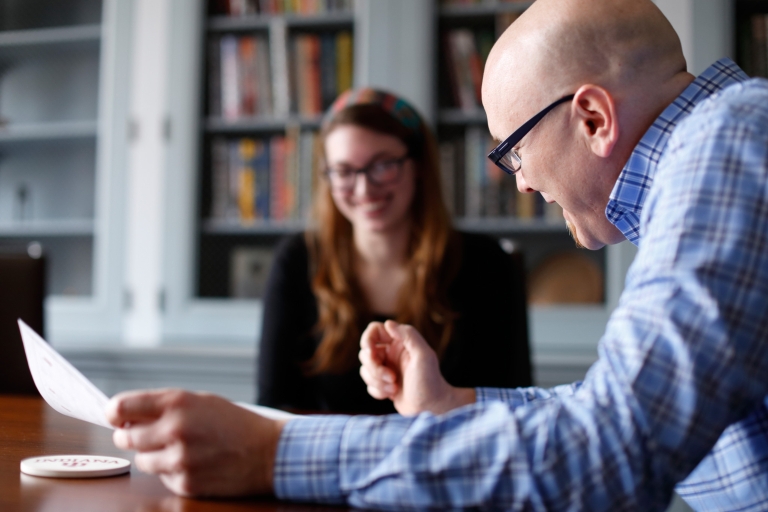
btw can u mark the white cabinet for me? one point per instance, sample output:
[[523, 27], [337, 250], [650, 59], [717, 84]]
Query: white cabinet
[[62, 119]]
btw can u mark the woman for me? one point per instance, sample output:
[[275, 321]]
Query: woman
[[383, 247]]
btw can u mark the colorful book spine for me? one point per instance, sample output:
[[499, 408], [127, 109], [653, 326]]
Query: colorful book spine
[[281, 73], [328, 89], [343, 61], [291, 175], [265, 103], [463, 61], [220, 178], [277, 175], [246, 197], [230, 86], [313, 86], [306, 171], [262, 180], [247, 76], [300, 73], [214, 77]]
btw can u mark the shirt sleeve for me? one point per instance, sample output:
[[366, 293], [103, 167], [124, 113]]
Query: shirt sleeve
[[683, 357], [519, 396]]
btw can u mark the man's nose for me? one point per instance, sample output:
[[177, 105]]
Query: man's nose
[[522, 186]]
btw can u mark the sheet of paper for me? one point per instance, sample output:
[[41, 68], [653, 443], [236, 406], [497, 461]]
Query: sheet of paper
[[61, 385], [71, 393], [267, 412]]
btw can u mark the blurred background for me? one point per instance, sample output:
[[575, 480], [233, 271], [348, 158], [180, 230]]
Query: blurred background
[[123, 125], [122, 129]]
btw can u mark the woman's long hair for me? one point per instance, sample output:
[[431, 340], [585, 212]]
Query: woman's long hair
[[432, 258]]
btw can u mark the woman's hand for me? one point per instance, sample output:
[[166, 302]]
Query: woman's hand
[[398, 364], [199, 444]]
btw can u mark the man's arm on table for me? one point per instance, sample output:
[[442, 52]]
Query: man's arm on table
[[683, 357]]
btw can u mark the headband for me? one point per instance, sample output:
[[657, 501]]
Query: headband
[[395, 106]]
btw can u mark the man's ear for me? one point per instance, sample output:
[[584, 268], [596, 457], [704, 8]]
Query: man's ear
[[595, 111]]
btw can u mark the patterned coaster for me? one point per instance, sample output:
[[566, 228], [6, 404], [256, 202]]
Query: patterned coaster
[[75, 466]]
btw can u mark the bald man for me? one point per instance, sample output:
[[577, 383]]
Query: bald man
[[595, 110]]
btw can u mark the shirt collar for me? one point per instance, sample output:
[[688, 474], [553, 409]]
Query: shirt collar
[[634, 182]]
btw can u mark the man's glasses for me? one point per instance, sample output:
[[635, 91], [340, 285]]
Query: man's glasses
[[380, 172], [504, 155]]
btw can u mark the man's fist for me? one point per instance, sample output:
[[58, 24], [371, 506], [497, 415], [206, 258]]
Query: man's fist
[[398, 364]]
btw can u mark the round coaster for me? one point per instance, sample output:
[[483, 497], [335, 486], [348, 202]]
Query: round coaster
[[75, 466]]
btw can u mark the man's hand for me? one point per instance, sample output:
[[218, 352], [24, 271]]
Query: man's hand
[[399, 365], [199, 444]]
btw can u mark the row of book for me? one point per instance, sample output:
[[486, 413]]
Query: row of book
[[753, 35], [466, 51], [301, 7], [251, 76], [322, 69], [272, 179], [474, 187], [257, 179]]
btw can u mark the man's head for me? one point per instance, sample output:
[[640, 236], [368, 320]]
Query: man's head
[[622, 61]]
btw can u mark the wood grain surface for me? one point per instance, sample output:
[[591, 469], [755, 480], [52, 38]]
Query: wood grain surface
[[29, 428]]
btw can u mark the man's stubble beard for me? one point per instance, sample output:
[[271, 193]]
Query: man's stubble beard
[[572, 232]]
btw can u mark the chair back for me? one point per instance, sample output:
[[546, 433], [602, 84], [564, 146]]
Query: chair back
[[22, 291]]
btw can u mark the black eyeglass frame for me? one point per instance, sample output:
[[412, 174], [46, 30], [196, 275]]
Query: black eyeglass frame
[[510, 142], [367, 171]]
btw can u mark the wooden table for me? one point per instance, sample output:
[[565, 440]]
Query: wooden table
[[29, 427]]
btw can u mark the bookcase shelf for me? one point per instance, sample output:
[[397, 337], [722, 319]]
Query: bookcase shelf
[[38, 37], [225, 227], [489, 9], [259, 124], [329, 20], [12, 135], [47, 228]]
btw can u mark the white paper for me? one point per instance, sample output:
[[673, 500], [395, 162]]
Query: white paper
[[68, 391], [267, 412], [61, 385]]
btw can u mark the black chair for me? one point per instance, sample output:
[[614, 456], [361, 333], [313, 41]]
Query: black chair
[[520, 311], [22, 291]]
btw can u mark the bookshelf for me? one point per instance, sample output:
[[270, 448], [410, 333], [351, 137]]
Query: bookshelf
[[269, 74], [483, 199], [60, 112], [751, 18]]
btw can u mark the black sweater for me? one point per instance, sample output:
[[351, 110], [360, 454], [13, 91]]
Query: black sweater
[[489, 346]]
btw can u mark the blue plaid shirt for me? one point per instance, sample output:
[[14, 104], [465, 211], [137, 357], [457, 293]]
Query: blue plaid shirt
[[679, 389]]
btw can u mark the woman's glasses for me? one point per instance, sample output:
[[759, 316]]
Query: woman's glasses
[[379, 172]]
